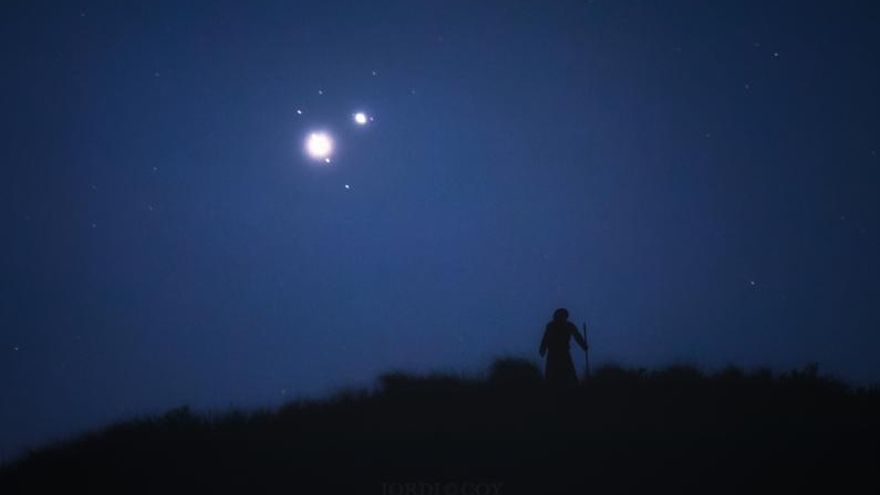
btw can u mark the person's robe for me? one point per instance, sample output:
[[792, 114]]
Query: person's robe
[[559, 368]]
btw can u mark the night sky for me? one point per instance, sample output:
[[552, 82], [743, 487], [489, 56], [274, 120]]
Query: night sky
[[699, 181]]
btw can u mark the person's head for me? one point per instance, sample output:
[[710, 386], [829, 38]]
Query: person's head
[[560, 314]]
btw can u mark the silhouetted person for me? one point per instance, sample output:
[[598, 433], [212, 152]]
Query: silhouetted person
[[559, 369]]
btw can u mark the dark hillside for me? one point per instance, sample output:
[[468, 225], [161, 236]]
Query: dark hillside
[[624, 431]]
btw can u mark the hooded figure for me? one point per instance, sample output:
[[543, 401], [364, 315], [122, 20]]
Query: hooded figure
[[559, 368]]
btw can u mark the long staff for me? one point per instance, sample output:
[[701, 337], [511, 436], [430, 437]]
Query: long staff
[[586, 353]]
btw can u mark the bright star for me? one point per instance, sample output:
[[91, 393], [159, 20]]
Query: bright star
[[319, 145], [360, 118]]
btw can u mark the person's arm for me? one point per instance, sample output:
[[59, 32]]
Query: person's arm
[[543, 349], [578, 337]]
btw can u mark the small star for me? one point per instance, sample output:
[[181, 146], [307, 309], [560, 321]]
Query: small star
[[842, 218], [753, 283], [374, 73], [150, 207], [708, 135], [412, 91], [327, 160], [155, 168], [776, 54], [94, 225], [156, 74], [360, 118], [347, 186], [320, 91], [299, 112], [747, 86], [16, 348], [82, 14], [283, 391], [94, 187]]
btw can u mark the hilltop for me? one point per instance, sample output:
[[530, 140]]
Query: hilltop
[[675, 429]]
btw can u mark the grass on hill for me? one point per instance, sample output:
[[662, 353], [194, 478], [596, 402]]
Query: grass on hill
[[675, 429]]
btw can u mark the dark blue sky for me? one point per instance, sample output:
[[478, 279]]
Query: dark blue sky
[[697, 180]]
